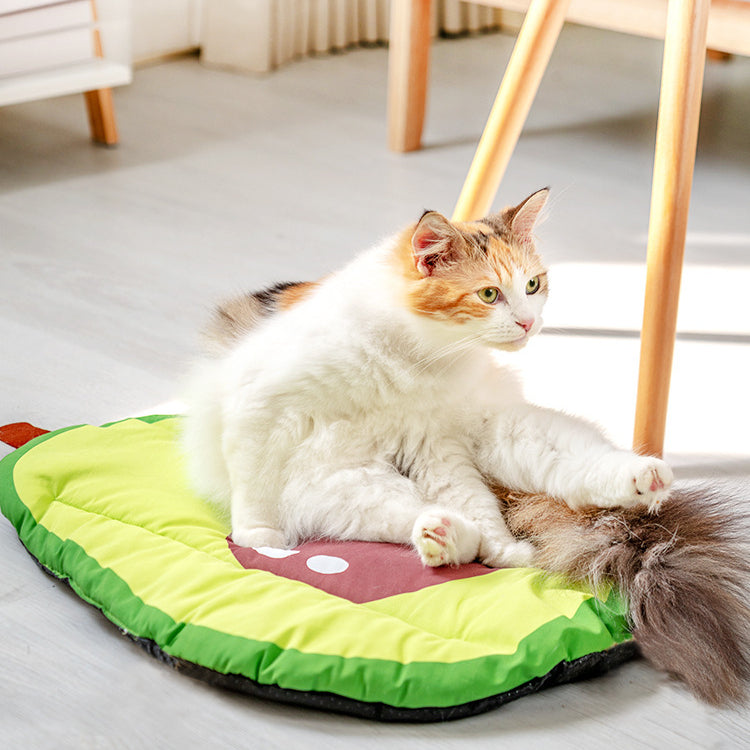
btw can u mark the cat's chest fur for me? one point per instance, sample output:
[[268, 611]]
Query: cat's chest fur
[[369, 387]]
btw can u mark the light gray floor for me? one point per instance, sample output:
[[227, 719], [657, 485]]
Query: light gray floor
[[110, 260]]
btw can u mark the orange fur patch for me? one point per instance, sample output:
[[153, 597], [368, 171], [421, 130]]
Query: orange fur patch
[[294, 294], [446, 299], [487, 259]]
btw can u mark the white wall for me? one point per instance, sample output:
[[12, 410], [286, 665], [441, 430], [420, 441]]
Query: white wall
[[258, 35], [164, 27]]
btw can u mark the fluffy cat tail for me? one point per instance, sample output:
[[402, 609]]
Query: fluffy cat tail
[[236, 317], [685, 571]]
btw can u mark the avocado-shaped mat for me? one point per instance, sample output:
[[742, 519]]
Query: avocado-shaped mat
[[360, 628]]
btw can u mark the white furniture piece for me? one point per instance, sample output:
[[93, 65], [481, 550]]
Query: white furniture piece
[[51, 49], [688, 28]]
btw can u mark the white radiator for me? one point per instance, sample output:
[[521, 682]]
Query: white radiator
[[259, 35]]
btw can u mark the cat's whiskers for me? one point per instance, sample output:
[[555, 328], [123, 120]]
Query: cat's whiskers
[[454, 348], [427, 361]]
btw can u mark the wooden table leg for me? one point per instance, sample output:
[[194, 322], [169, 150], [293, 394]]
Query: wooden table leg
[[536, 40], [676, 138], [408, 63]]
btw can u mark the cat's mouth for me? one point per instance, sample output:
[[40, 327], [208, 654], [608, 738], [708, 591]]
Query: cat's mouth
[[522, 340], [512, 344]]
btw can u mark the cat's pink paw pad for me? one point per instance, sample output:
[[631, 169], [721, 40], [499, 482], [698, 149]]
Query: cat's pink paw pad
[[651, 482], [437, 535], [657, 483], [435, 546], [440, 540]]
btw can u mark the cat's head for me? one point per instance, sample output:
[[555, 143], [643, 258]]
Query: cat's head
[[480, 280]]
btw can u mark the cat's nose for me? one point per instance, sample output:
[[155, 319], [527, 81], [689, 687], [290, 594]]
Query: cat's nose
[[526, 323]]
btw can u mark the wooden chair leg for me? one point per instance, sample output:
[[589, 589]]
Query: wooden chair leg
[[536, 40], [408, 62], [676, 138], [101, 112]]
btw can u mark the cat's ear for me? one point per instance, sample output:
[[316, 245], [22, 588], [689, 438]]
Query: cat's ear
[[435, 241], [525, 215]]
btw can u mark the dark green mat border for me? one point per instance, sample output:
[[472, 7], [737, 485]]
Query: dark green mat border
[[591, 665]]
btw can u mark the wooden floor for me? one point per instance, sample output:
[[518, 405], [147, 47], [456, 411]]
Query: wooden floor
[[110, 259]]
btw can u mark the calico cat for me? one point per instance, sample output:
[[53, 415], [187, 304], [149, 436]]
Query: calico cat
[[369, 406]]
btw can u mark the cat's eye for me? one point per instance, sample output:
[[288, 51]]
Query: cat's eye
[[489, 295], [532, 286]]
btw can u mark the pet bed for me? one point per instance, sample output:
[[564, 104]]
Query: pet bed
[[359, 628]]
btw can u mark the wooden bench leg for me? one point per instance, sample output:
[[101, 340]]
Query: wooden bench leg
[[408, 62], [101, 111], [536, 40], [99, 104], [676, 138]]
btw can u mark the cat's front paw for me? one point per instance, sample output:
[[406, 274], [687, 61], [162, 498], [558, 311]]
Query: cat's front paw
[[652, 484], [643, 480], [510, 554], [443, 538], [259, 536]]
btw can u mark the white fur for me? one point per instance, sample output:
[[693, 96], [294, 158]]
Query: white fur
[[349, 416]]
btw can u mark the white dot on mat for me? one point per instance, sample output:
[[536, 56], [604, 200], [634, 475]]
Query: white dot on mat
[[327, 564], [275, 552]]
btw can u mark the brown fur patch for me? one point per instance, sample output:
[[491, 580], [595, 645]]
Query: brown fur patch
[[685, 571]]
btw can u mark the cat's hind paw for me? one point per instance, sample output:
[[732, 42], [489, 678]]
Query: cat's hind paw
[[442, 538], [259, 536], [510, 554]]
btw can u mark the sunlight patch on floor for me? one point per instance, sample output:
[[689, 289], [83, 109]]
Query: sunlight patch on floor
[[596, 378], [713, 299], [596, 375]]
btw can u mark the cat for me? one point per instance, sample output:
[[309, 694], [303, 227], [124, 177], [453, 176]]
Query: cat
[[369, 405], [372, 409]]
